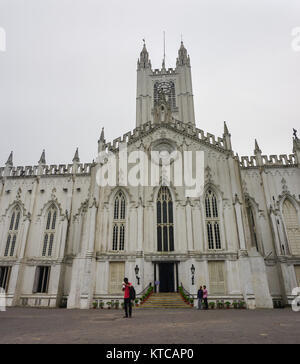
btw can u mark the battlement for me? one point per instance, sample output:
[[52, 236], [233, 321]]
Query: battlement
[[158, 72], [184, 128], [51, 170], [282, 160]]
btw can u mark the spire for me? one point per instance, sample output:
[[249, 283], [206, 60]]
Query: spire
[[183, 58], [102, 135], [257, 149], [226, 132], [8, 165], [101, 141], [296, 146], [9, 162], [42, 158], [164, 59], [227, 137], [144, 61], [76, 157]]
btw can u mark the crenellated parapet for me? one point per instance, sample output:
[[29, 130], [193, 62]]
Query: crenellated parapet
[[188, 130], [282, 160], [48, 170], [161, 72]]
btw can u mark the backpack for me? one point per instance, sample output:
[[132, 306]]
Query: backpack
[[132, 293]]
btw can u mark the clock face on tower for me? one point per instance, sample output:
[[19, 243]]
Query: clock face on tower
[[164, 87], [165, 90]]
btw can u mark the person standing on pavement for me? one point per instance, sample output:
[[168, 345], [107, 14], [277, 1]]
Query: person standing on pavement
[[200, 298], [205, 295], [127, 300]]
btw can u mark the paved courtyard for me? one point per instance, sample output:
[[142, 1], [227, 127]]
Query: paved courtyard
[[20, 325]]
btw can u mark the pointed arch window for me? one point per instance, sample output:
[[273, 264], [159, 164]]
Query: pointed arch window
[[165, 223], [50, 230], [291, 220], [252, 225], [119, 222], [212, 220], [14, 224]]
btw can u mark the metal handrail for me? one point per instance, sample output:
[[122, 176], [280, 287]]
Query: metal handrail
[[190, 295], [144, 290]]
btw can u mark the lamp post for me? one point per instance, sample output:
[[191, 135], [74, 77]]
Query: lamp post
[[137, 269], [193, 274]]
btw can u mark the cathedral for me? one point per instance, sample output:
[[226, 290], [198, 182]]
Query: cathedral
[[66, 239]]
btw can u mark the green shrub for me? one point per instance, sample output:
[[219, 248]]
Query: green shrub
[[212, 305], [242, 304], [220, 304]]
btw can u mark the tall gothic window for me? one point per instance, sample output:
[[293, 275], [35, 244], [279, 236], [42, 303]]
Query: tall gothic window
[[165, 221], [212, 221], [168, 90], [252, 225], [119, 222], [49, 231], [291, 220], [13, 232]]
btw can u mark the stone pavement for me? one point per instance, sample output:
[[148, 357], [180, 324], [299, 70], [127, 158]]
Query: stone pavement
[[30, 325]]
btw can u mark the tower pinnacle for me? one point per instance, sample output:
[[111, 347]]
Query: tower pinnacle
[[76, 157], [144, 61], [183, 58], [9, 162], [42, 158]]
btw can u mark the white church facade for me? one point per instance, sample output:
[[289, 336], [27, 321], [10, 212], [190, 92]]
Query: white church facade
[[64, 237]]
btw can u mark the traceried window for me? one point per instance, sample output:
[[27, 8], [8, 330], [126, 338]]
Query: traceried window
[[291, 220], [252, 226], [167, 90], [119, 222], [14, 225], [165, 221], [49, 231], [212, 221]]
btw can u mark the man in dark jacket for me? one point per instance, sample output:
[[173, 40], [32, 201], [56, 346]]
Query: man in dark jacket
[[200, 298]]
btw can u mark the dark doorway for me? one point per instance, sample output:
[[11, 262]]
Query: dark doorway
[[166, 277]]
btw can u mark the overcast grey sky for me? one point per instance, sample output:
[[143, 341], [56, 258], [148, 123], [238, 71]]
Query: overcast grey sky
[[70, 69]]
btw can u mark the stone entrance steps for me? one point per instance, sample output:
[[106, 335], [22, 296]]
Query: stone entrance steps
[[165, 300]]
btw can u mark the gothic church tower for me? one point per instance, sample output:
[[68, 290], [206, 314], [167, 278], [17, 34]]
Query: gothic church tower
[[171, 85]]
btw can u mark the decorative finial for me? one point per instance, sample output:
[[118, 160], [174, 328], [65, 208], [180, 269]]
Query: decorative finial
[[76, 157], [164, 50], [10, 160], [102, 135], [43, 158], [295, 134], [257, 149], [226, 132]]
